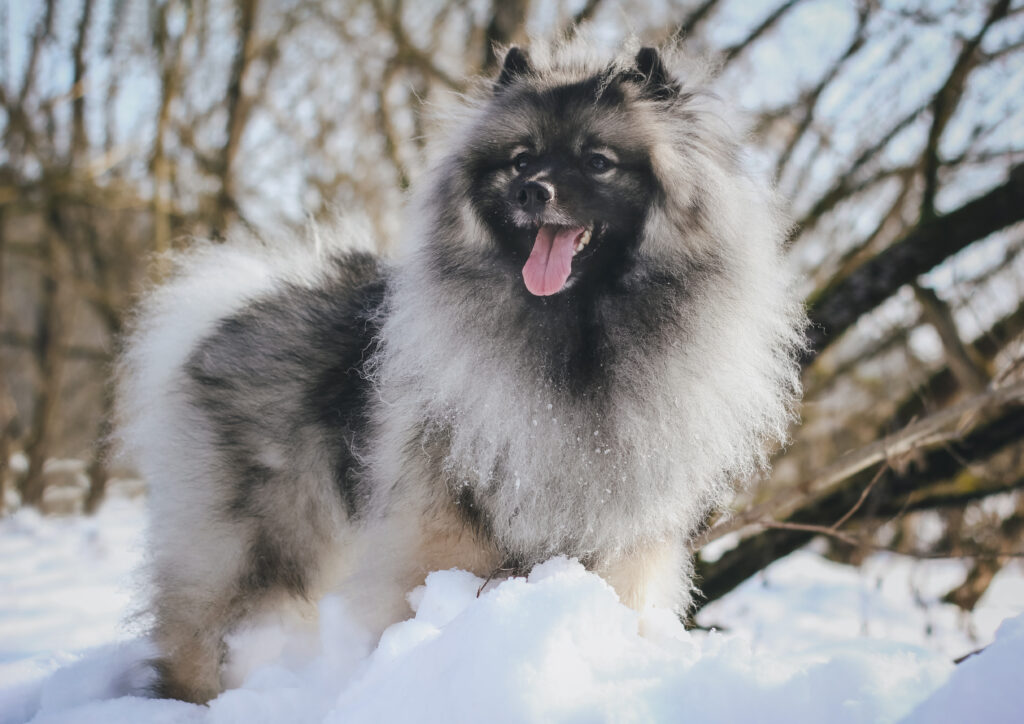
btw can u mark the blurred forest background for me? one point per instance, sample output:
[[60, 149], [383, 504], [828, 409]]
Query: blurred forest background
[[895, 127]]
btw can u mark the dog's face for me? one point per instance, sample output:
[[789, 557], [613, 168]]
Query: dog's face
[[562, 178]]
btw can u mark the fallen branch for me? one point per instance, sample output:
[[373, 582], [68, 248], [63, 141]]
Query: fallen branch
[[945, 426], [894, 494], [862, 542]]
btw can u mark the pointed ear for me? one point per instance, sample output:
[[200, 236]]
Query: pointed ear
[[650, 73], [516, 64]]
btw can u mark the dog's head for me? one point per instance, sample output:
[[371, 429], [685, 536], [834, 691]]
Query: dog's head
[[560, 170]]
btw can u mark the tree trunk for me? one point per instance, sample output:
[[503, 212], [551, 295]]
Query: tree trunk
[[50, 362]]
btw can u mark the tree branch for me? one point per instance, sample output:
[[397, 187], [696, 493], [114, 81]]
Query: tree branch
[[941, 427], [811, 101], [238, 111], [732, 51], [892, 496], [79, 141], [691, 21], [507, 20], [585, 13], [17, 340], [841, 189], [946, 101], [841, 303], [967, 367]]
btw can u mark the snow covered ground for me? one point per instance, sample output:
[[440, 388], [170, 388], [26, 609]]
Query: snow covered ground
[[807, 641]]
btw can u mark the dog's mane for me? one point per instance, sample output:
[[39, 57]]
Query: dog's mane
[[701, 389]]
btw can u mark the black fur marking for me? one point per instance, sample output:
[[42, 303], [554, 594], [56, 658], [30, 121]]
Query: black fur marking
[[468, 509], [163, 686], [340, 397], [432, 444], [274, 564], [516, 64], [286, 368], [652, 76]]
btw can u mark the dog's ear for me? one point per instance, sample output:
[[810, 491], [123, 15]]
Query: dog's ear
[[515, 64], [652, 76]]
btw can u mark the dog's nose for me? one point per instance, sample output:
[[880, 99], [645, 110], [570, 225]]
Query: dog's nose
[[534, 195]]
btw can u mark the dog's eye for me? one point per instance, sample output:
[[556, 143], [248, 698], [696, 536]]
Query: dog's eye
[[521, 161], [598, 162]]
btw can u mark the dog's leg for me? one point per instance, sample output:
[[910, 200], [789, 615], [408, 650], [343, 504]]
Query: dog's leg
[[189, 669], [189, 632], [206, 589], [651, 574], [397, 552]]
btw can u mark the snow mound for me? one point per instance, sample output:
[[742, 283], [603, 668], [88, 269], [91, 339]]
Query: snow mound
[[557, 646], [985, 687]]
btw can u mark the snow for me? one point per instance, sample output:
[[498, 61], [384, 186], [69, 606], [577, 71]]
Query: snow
[[806, 598], [809, 641], [985, 687]]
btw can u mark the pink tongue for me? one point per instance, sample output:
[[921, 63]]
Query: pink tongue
[[550, 261]]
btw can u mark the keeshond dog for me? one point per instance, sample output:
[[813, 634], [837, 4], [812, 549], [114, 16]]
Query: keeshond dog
[[590, 341]]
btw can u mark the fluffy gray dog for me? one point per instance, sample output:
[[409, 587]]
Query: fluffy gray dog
[[590, 343]]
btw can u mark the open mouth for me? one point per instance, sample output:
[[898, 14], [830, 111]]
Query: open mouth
[[550, 264]]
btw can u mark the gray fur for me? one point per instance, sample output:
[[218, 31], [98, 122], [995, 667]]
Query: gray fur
[[314, 420]]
